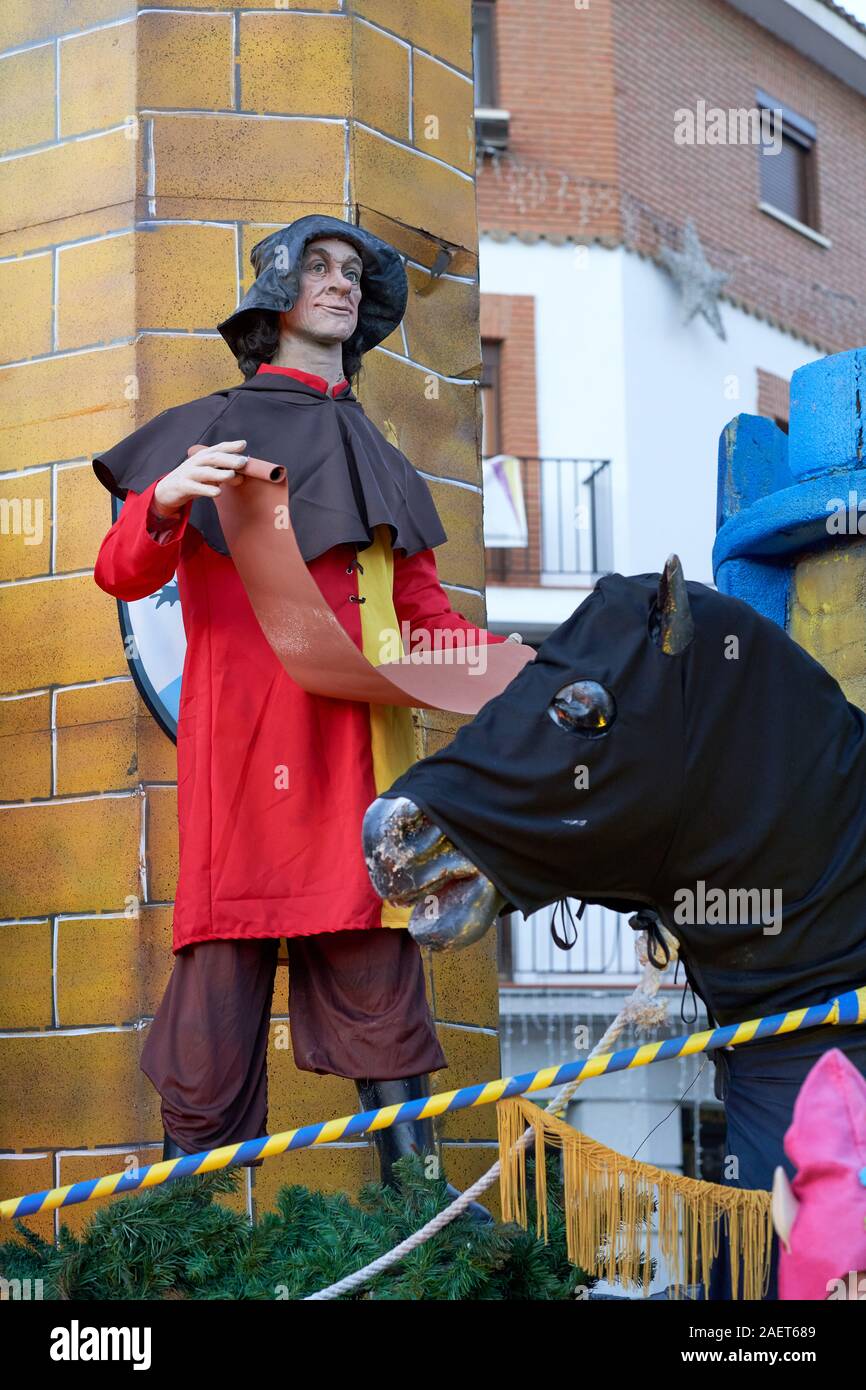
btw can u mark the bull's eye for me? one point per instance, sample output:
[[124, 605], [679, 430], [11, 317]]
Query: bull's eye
[[584, 707]]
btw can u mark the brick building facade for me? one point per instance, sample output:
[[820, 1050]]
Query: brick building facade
[[591, 160]]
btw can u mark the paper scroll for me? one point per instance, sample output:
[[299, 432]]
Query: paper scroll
[[253, 468], [309, 641]]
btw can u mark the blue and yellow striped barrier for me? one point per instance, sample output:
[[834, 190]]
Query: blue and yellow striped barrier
[[846, 1009]]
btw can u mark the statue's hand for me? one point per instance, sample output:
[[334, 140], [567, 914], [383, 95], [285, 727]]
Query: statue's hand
[[201, 475]]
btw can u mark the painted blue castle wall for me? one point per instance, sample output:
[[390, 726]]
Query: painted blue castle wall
[[777, 491]]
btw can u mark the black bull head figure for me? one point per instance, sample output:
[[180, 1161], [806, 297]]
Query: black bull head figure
[[671, 749]]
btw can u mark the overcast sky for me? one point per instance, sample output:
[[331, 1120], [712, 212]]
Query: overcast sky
[[855, 7]]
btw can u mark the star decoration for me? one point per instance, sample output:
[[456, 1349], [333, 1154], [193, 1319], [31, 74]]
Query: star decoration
[[698, 283]]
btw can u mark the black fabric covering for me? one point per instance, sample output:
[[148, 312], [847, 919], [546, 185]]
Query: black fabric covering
[[344, 477], [742, 773]]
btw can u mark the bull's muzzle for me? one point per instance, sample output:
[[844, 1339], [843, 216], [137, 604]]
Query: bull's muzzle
[[411, 861]]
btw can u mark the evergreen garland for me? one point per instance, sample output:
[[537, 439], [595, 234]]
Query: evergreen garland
[[176, 1241]]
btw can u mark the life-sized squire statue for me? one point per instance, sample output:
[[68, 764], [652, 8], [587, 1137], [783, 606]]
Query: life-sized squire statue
[[668, 744], [273, 781]]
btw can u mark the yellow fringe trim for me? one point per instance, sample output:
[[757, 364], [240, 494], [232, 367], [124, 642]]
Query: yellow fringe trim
[[609, 1203]]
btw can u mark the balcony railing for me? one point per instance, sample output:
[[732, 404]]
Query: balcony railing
[[569, 524], [603, 954]]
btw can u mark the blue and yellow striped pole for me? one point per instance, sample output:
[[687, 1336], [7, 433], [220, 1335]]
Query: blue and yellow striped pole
[[848, 1008]]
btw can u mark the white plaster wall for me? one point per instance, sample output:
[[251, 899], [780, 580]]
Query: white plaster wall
[[682, 386], [619, 376], [580, 363]]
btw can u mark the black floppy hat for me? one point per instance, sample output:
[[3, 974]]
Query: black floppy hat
[[276, 286]]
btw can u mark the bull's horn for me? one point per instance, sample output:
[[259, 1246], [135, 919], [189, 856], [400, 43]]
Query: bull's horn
[[673, 626], [784, 1207]]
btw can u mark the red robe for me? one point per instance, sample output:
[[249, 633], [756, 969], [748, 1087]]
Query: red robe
[[272, 782]]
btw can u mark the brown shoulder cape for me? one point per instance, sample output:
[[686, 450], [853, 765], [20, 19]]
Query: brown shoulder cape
[[344, 477]]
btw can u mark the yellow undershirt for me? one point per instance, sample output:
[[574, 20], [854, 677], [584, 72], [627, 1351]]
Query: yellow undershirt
[[392, 733]]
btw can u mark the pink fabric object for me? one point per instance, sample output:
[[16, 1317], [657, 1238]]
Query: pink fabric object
[[827, 1144]]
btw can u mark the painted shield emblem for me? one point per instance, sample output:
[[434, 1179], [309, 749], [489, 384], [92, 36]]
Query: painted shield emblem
[[155, 646]]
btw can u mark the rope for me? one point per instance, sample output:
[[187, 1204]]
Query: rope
[[639, 1009]]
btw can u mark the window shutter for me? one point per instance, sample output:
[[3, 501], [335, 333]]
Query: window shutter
[[784, 179]]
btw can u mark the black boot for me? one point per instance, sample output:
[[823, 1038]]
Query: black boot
[[172, 1150], [412, 1137]]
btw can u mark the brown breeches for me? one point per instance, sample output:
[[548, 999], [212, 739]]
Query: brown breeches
[[357, 1008]]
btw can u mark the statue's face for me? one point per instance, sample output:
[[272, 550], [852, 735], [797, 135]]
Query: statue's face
[[330, 292]]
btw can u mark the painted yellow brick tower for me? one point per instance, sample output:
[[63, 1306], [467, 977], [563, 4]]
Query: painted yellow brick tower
[[139, 145]]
